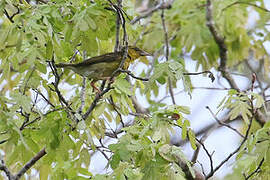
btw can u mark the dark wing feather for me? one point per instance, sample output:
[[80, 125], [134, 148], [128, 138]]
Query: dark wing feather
[[109, 57]]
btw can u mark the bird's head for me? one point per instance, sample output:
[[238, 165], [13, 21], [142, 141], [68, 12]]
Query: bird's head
[[135, 52]]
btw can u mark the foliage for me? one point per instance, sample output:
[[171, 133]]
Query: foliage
[[41, 107]]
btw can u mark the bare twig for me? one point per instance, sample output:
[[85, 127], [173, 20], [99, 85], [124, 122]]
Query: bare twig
[[132, 75], [43, 96], [56, 83], [202, 169], [95, 101], [116, 110], [222, 123], [162, 5], [245, 3], [208, 154], [212, 88], [196, 152], [211, 75], [211, 173], [4, 168], [117, 32]]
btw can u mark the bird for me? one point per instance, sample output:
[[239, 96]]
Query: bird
[[102, 67]]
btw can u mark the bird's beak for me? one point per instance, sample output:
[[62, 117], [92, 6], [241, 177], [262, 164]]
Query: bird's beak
[[144, 53]]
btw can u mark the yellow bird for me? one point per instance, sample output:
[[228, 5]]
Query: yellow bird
[[101, 67]]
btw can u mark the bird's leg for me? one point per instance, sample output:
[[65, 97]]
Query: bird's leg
[[94, 87]]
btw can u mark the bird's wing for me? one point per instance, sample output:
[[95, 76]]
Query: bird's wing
[[109, 57]]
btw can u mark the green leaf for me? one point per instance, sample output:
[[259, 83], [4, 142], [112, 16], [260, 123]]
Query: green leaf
[[49, 49], [123, 85], [184, 129], [21, 100], [184, 109], [192, 139], [83, 25]]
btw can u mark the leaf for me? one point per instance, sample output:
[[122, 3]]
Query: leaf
[[99, 109], [184, 109], [83, 25], [115, 160], [49, 49], [91, 23], [156, 136], [21, 100], [123, 85], [184, 129], [192, 139], [165, 152]]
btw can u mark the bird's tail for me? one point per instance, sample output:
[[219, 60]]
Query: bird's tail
[[62, 65]]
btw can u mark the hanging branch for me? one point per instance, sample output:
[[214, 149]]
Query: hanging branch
[[61, 98], [199, 145], [167, 53], [221, 44]]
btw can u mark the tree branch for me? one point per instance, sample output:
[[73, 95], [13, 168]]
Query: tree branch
[[29, 164], [162, 5], [4, 168], [167, 53], [221, 45]]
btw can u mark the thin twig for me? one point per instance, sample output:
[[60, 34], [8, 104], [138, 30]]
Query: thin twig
[[162, 5], [196, 152], [208, 154], [222, 123], [257, 170], [95, 101], [167, 52], [116, 110], [43, 96], [10, 18], [132, 75], [211, 75], [4, 168], [210, 174], [245, 3]]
